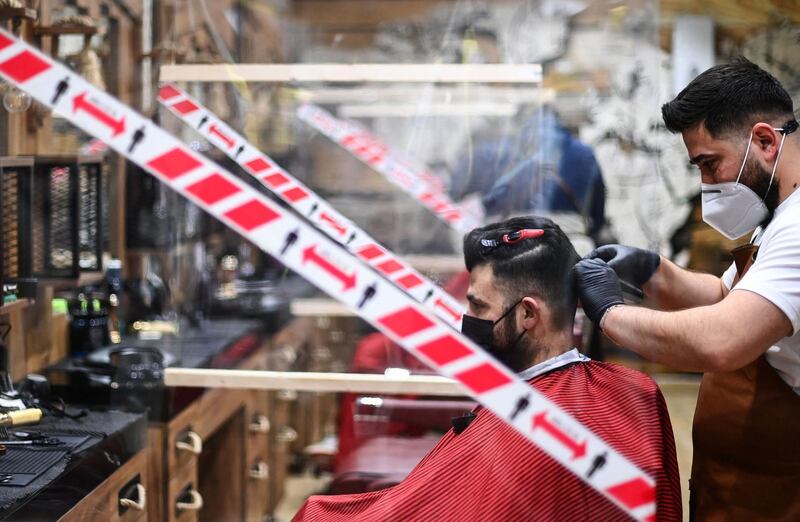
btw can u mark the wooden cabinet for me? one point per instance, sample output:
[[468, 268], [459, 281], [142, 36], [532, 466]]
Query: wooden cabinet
[[212, 461], [122, 497], [224, 457]]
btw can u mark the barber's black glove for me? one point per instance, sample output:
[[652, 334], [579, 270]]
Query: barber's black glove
[[598, 288], [634, 265]]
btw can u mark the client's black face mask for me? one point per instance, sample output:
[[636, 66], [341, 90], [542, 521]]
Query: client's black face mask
[[481, 331]]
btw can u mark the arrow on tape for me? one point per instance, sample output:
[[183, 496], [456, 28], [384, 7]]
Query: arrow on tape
[[578, 449], [441, 303], [332, 222], [310, 254], [213, 129], [80, 102]]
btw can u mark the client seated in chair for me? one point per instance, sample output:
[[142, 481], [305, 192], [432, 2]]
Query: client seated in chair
[[522, 304]]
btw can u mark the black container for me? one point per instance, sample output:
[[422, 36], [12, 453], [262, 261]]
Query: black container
[[138, 380], [89, 326]]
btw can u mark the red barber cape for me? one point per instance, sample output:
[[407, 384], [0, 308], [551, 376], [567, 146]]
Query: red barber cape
[[490, 472]]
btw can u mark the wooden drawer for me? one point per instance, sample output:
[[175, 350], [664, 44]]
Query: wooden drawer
[[259, 425], [324, 413], [222, 470], [280, 440], [129, 481], [157, 471], [183, 498], [258, 486], [259, 359], [215, 407], [286, 348], [259, 474], [301, 412], [333, 343], [281, 403], [184, 443]]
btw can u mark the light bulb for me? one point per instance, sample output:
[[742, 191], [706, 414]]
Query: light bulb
[[15, 100]]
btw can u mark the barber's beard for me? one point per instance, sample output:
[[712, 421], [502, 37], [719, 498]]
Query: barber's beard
[[514, 351], [757, 177]]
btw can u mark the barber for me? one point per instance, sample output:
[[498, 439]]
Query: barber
[[741, 329]]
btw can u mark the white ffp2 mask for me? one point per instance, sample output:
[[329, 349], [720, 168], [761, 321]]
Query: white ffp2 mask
[[732, 208]]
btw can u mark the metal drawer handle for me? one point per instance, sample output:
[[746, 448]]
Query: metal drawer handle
[[134, 504], [195, 504], [194, 444], [287, 395], [289, 352], [287, 434], [260, 424], [260, 471], [322, 353]]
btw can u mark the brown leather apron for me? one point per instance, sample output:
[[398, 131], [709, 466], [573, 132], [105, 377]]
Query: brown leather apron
[[746, 438]]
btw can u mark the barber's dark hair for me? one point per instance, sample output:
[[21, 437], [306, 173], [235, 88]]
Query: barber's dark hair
[[728, 98], [541, 266]]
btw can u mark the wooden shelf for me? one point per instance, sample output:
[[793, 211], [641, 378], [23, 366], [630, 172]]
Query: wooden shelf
[[312, 381], [7, 13], [320, 307], [354, 72], [58, 30], [83, 279], [16, 161], [182, 249], [19, 304]]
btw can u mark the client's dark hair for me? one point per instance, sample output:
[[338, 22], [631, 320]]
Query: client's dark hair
[[539, 266], [727, 99]]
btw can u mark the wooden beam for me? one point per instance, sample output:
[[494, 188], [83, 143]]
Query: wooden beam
[[312, 381], [10, 13], [346, 382], [422, 108], [319, 307], [372, 72], [428, 93], [14, 306]]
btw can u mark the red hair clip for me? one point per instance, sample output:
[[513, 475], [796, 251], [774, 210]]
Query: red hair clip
[[525, 233], [513, 237]]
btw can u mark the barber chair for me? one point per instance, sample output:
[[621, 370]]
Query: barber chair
[[380, 459]]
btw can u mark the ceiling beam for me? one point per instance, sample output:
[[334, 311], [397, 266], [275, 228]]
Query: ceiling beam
[[354, 73]]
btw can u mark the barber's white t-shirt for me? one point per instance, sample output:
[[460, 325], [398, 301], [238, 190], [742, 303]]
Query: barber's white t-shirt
[[775, 276]]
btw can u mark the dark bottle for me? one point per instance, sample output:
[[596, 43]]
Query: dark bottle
[[114, 284], [79, 326], [89, 326]]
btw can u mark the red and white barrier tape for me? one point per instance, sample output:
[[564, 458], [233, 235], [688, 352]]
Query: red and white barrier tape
[[422, 186], [305, 250], [298, 196]]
